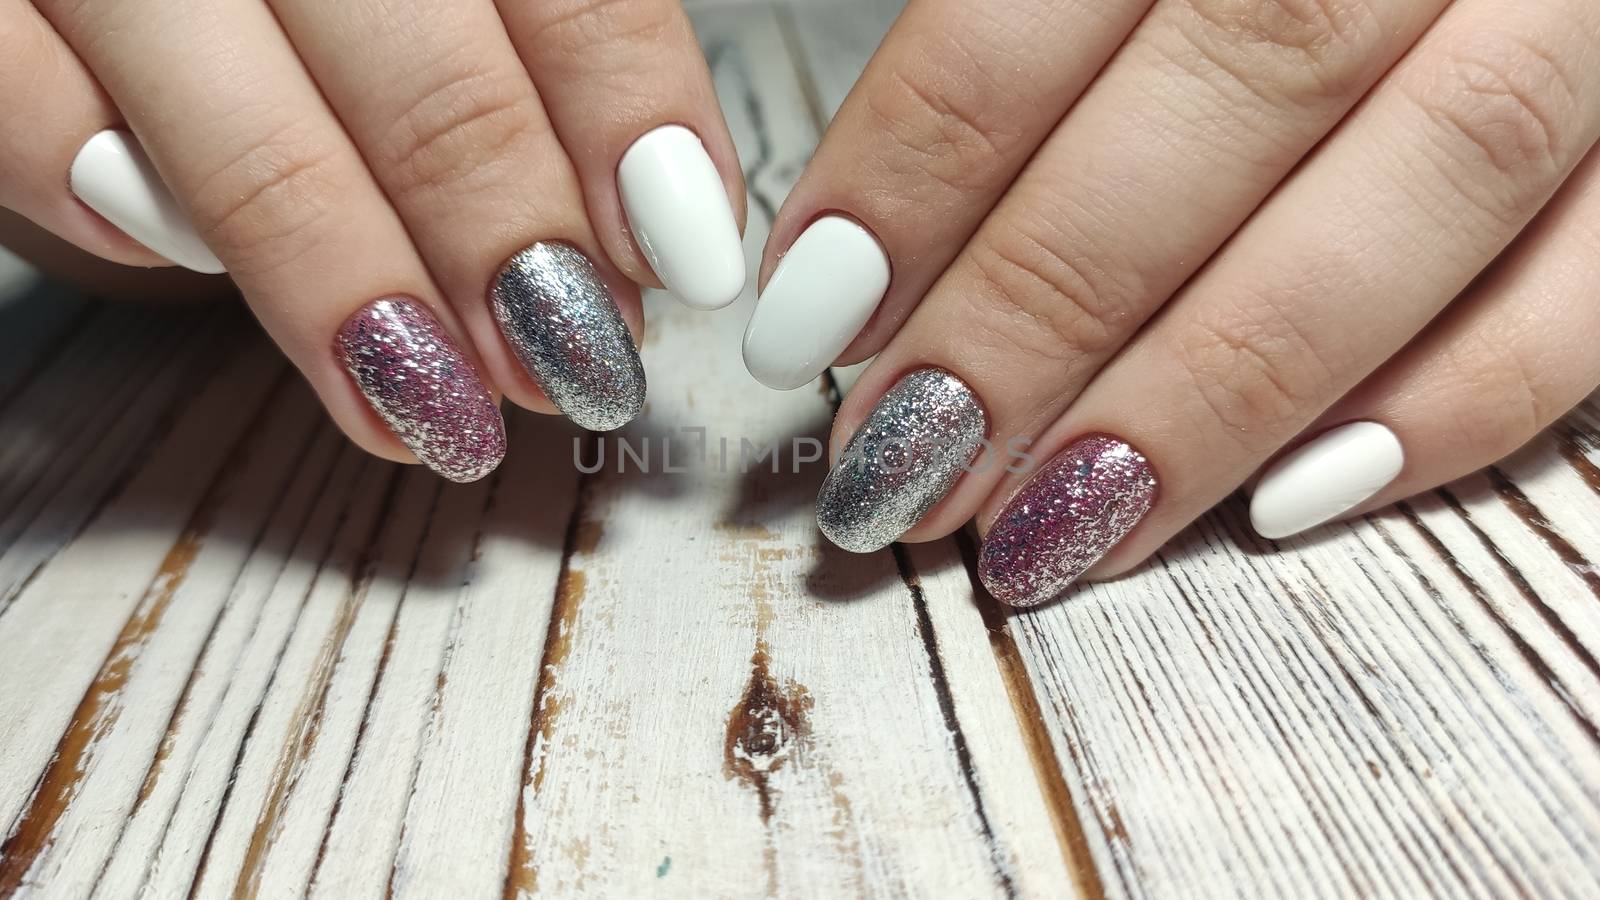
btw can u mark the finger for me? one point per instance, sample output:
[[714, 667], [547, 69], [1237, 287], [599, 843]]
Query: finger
[[56, 121], [930, 137], [452, 128], [248, 145], [1182, 137], [1506, 360], [629, 92], [1401, 209]]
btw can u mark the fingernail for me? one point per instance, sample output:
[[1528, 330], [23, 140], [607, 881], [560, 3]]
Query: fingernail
[[825, 289], [1065, 519], [414, 375], [1333, 474], [905, 458], [562, 323], [112, 176], [680, 215]]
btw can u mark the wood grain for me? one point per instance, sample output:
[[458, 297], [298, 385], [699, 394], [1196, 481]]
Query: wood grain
[[240, 658]]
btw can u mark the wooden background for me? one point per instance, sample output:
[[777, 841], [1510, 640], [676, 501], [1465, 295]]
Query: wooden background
[[238, 656]]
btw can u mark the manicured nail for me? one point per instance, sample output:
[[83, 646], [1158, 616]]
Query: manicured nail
[[905, 458], [416, 378], [681, 217], [825, 289], [112, 176], [1065, 519], [561, 321], [1333, 474]]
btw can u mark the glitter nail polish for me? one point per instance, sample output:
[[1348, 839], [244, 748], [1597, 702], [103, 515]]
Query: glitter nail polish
[[903, 460], [414, 375], [565, 328], [1068, 516]]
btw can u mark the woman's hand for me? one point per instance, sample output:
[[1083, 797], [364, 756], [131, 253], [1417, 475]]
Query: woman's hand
[[427, 203], [1143, 247]]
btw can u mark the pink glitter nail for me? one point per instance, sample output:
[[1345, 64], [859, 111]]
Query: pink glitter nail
[[414, 375], [1064, 519]]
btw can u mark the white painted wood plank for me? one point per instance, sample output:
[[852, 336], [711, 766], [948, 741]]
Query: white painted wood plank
[[288, 778], [65, 621], [211, 718], [468, 779], [118, 730], [356, 855], [1332, 719], [168, 838], [82, 423]]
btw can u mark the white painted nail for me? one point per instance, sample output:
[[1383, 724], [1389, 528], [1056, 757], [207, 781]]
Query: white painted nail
[[1333, 474], [113, 176], [825, 289], [681, 217]]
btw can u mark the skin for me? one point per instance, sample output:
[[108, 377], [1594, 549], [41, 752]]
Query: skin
[[1225, 226], [334, 153]]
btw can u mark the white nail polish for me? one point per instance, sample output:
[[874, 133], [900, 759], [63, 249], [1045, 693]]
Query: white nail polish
[[112, 176], [681, 217], [825, 289], [1333, 474]]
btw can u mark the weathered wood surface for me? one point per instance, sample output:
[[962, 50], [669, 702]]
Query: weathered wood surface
[[237, 656]]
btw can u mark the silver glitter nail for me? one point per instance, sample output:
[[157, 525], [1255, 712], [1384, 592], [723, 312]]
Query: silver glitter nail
[[564, 326], [905, 458]]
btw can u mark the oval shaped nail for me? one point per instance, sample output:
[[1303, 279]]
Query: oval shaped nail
[[112, 176], [905, 458], [1332, 474], [1066, 518], [823, 292], [564, 326], [419, 382], [681, 218]]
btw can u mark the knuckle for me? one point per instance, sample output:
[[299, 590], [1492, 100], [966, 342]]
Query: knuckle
[[947, 127], [460, 127], [1256, 373], [580, 27], [260, 208], [1302, 49], [1047, 302], [1500, 102], [27, 54], [1503, 405]]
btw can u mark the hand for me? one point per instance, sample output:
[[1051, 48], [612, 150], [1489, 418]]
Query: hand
[[427, 203], [1150, 245]]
